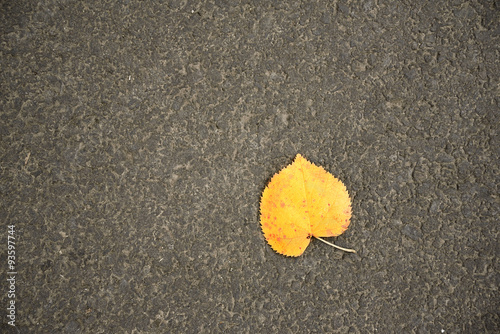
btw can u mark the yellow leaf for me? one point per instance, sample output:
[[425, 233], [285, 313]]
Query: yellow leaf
[[303, 201]]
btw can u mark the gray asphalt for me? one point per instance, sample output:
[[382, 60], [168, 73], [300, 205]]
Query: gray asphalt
[[136, 139]]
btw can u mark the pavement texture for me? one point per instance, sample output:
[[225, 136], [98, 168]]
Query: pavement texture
[[137, 138]]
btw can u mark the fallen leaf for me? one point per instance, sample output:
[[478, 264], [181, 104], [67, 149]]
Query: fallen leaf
[[300, 202]]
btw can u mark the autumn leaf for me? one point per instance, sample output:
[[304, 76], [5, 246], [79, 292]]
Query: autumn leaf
[[300, 202]]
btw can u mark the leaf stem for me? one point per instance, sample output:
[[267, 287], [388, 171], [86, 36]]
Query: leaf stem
[[342, 248]]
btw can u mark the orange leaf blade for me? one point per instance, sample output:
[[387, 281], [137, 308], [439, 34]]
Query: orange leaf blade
[[301, 201]]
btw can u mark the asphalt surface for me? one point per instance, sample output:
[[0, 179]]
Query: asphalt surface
[[136, 139]]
